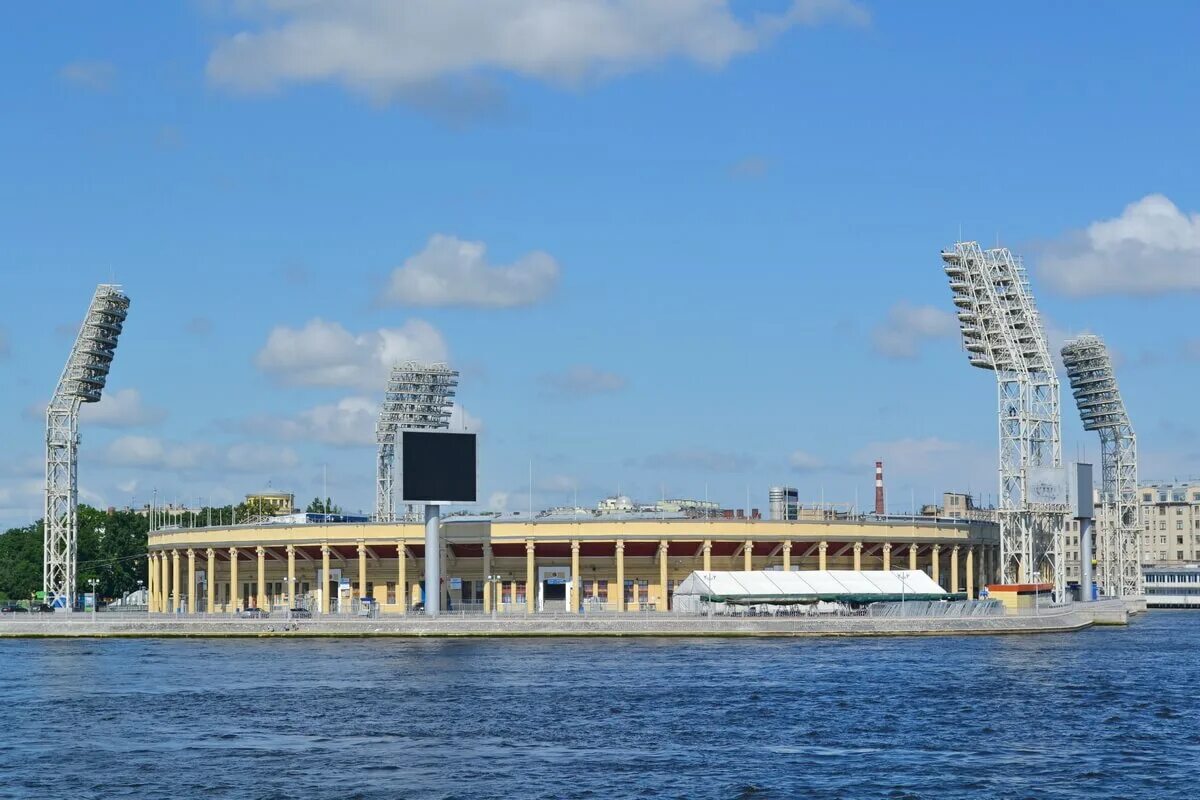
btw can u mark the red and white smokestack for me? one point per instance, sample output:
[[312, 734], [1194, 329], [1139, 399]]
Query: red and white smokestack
[[879, 488]]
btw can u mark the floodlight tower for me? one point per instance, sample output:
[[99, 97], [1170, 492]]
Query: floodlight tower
[[82, 381], [1102, 409], [1002, 332], [417, 398]]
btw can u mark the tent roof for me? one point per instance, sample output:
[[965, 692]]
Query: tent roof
[[774, 586]]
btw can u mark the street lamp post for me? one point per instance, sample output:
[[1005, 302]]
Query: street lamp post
[[92, 582], [903, 586]]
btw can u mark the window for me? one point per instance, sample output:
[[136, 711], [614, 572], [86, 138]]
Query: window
[[391, 592], [1162, 524], [602, 591], [1179, 555], [1179, 525]]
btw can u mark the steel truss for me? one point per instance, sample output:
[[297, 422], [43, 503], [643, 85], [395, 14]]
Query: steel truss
[[82, 381], [1002, 332], [1094, 386], [418, 397]]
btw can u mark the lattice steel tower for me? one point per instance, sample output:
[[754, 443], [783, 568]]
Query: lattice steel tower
[[1101, 408], [82, 381], [418, 397], [1002, 332]]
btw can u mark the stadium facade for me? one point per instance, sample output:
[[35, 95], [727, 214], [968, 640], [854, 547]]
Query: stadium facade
[[519, 566]]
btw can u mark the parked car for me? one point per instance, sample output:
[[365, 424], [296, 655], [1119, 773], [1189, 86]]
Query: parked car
[[255, 613], [301, 613], [13, 608], [41, 608]]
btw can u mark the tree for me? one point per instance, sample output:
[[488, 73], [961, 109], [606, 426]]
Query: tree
[[319, 507], [21, 562], [112, 549]]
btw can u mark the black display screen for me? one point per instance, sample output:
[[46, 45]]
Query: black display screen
[[438, 466]]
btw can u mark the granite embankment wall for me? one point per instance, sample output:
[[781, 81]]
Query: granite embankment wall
[[1076, 618]]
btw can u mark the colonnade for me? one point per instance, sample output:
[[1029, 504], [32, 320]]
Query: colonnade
[[167, 593]]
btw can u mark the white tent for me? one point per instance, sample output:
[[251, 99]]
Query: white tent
[[768, 587]]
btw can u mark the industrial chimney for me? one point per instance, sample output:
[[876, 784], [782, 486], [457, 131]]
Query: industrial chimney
[[879, 510]]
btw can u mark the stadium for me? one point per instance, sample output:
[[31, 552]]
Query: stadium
[[527, 567]]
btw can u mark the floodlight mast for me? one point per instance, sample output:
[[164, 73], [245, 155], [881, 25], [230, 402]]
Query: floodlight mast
[[418, 397], [1002, 331], [1102, 409], [82, 381]]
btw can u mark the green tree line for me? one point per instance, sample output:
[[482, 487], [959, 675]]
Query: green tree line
[[112, 546], [112, 549]]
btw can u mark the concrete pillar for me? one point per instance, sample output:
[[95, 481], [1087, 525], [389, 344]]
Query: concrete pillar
[[362, 574], [191, 584], [887, 556], [176, 594], [291, 579], [488, 584], [324, 587], [858, 556], [663, 549], [787, 556], [210, 580], [912, 557], [707, 555], [576, 597], [151, 583], [620, 589], [822, 552], [402, 575], [635, 595], [954, 569], [165, 581], [235, 591], [748, 557], [934, 567], [970, 573], [261, 600], [530, 577]]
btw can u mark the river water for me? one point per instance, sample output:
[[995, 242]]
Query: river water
[[1109, 712]]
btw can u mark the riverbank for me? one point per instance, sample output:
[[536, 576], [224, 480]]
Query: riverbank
[[1073, 618]]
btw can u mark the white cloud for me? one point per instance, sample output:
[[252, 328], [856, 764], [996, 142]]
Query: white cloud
[[749, 167], [123, 408], [463, 420], [930, 465], [699, 459], [95, 75], [801, 461], [257, 457], [350, 422], [1151, 248], [152, 453], [382, 48], [584, 380], [326, 354], [453, 272], [907, 327], [147, 452], [498, 501]]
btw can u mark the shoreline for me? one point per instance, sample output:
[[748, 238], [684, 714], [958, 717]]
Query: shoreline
[[1074, 619]]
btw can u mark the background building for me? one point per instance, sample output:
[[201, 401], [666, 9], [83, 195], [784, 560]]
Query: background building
[[272, 502], [1170, 518]]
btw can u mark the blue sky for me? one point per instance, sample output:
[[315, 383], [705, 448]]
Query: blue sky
[[670, 246]]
